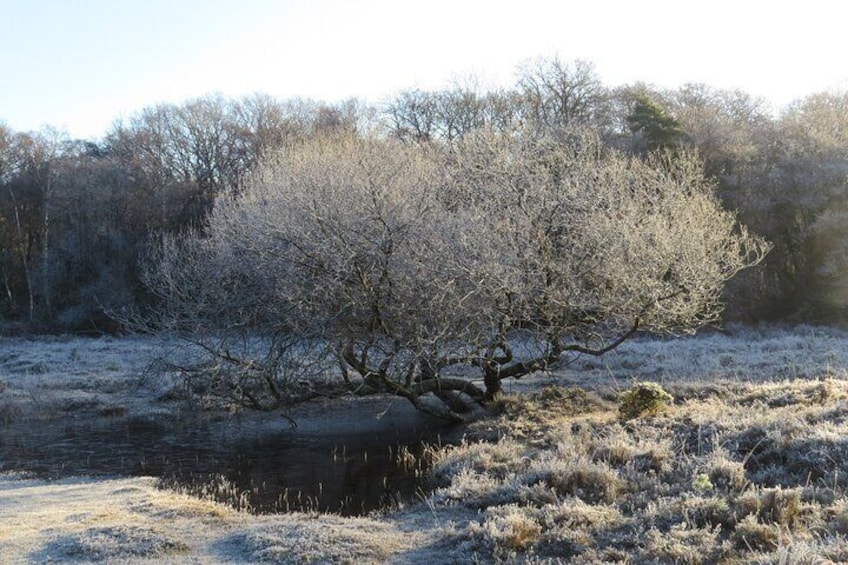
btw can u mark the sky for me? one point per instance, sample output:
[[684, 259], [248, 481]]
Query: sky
[[79, 65]]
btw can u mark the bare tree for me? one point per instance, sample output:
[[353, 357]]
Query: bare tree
[[582, 246], [448, 115], [728, 127], [184, 155], [559, 94], [195, 146], [807, 201], [6, 136], [413, 115], [30, 163], [414, 266]]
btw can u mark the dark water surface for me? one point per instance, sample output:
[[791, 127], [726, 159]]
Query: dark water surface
[[276, 471]]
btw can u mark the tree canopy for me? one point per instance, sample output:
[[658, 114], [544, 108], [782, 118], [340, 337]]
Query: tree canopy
[[411, 262]]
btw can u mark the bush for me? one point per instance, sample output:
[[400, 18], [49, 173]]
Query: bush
[[417, 266], [644, 399]]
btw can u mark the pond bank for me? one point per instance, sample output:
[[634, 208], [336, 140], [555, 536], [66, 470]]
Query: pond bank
[[65, 401], [745, 466], [340, 458]]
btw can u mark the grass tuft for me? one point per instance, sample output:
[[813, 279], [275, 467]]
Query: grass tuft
[[752, 535]]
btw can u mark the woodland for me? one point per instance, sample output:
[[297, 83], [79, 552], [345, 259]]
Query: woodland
[[77, 217]]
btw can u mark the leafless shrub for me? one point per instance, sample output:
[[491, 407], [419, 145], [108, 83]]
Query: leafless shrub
[[415, 265]]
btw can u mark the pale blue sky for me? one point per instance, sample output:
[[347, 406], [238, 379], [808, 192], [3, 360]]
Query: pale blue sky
[[80, 64]]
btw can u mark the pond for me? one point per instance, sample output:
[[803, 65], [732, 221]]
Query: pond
[[261, 471]]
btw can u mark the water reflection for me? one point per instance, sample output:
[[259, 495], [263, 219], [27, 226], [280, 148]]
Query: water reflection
[[271, 472]]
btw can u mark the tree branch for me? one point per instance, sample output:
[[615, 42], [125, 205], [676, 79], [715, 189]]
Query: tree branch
[[598, 352]]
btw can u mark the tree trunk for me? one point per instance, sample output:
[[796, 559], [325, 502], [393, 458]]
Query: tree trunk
[[24, 262], [46, 289], [492, 380]]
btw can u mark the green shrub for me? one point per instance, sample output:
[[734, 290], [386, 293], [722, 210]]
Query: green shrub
[[644, 399]]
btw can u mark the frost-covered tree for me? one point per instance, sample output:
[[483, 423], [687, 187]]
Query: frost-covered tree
[[500, 256], [586, 245]]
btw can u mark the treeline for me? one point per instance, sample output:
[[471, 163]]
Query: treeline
[[76, 217]]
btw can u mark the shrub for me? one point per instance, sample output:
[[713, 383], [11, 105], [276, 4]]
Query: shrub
[[644, 399], [417, 266]]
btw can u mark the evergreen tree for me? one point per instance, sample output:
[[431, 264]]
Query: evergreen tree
[[657, 127]]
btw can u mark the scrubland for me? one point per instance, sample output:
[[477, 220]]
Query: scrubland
[[744, 462]]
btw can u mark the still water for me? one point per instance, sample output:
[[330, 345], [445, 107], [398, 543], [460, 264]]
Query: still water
[[277, 471]]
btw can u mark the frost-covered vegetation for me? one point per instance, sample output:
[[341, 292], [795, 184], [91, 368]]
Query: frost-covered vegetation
[[410, 263], [76, 215], [55, 377], [730, 473], [472, 251], [744, 465]]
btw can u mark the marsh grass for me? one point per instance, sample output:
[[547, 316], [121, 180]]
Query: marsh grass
[[735, 473]]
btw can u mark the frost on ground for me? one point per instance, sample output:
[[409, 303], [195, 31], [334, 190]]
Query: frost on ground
[[132, 521], [749, 473], [54, 377], [740, 354], [105, 520], [745, 465]]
